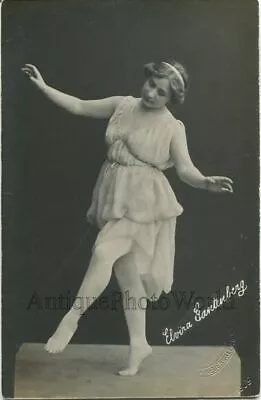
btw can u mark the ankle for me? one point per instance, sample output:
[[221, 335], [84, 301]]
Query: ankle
[[139, 344], [73, 315]]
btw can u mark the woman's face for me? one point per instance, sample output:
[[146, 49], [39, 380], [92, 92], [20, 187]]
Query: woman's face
[[156, 92]]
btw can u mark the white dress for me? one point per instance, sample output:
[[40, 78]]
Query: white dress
[[133, 198]]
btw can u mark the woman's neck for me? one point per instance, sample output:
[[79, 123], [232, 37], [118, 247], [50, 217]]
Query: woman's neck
[[143, 109]]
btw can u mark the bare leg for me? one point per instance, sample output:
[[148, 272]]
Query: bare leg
[[134, 305], [95, 281]]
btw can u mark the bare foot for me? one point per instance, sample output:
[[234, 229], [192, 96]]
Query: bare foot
[[137, 355], [63, 334]]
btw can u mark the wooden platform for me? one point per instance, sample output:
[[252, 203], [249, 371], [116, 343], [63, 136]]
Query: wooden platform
[[88, 371]]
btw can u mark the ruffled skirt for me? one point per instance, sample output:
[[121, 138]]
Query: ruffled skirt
[[139, 193], [137, 202]]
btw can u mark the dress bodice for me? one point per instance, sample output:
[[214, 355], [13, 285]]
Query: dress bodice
[[136, 138]]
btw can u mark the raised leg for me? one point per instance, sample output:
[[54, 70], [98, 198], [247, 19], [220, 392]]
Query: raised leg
[[134, 305], [95, 281]]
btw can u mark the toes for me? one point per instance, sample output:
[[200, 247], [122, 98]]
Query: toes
[[53, 347], [49, 349], [127, 372]]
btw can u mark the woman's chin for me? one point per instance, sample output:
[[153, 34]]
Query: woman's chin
[[148, 104]]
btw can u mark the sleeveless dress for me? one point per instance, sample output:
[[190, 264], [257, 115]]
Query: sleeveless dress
[[132, 197]]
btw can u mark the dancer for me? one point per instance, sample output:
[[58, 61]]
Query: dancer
[[133, 204]]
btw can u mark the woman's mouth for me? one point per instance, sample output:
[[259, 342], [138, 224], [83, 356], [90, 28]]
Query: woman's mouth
[[148, 101]]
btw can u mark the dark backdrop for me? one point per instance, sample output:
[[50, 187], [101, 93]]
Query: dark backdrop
[[95, 49]]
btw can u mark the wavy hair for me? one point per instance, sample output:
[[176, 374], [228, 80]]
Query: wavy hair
[[179, 87]]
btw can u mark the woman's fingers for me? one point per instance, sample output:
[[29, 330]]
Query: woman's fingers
[[32, 73], [33, 70], [228, 186], [228, 180], [223, 179], [26, 71], [33, 67], [226, 190], [220, 184]]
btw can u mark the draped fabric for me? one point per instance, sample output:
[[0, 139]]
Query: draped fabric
[[132, 197]]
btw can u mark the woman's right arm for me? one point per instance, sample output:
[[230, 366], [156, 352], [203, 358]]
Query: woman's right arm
[[103, 108]]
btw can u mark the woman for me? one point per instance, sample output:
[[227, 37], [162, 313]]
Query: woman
[[133, 203]]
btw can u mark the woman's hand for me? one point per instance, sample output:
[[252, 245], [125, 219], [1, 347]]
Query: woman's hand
[[218, 184], [33, 74]]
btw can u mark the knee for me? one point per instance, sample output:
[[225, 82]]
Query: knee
[[106, 253], [110, 251], [99, 253], [125, 277]]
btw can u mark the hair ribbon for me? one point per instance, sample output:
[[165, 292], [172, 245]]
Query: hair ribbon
[[176, 72]]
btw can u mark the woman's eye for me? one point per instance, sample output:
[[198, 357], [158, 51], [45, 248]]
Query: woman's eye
[[152, 83], [161, 93]]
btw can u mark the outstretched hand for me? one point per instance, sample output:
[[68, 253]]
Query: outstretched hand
[[219, 184], [33, 74]]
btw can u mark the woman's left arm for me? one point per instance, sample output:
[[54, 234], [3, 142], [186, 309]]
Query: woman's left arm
[[187, 171]]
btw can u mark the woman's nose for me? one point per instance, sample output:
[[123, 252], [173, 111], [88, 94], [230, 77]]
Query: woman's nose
[[151, 94]]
